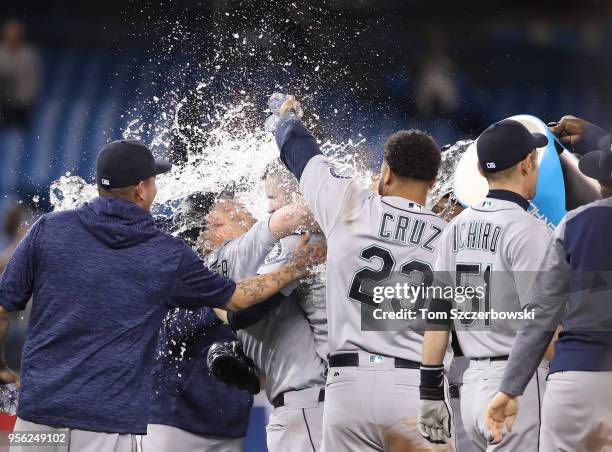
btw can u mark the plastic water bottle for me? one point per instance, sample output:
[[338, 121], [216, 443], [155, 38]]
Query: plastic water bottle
[[9, 396], [275, 101]]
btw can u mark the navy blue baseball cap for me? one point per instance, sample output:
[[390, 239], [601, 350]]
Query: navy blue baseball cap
[[598, 164], [127, 162], [505, 143]]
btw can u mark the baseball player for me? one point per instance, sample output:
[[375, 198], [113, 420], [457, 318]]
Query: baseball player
[[371, 390], [496, 245], [571, 289], [289, 345], [282, 189], [104, 277], [189, 407]]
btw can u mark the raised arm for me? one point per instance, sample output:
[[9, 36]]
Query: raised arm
[[328, 194], [291, 218], [579, 135]]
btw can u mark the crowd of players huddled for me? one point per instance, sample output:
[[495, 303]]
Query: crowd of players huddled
[[155, 336]]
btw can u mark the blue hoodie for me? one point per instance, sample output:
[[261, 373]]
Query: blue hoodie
[[103, 278]]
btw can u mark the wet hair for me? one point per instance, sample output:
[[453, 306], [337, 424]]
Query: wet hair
[[413, 154], [190, 218], [276, 168]]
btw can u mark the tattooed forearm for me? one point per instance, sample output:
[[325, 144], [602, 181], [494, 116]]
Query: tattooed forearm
[[259, 288]]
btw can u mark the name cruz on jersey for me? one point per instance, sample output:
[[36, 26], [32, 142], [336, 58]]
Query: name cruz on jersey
[[399, 228]]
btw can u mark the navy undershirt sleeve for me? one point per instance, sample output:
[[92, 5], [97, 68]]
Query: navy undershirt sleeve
[[250, 316], [296, 145]]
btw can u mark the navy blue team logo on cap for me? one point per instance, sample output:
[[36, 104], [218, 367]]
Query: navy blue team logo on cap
[[505, 143]]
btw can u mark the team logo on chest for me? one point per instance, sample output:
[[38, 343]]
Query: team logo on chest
[[275, 252]]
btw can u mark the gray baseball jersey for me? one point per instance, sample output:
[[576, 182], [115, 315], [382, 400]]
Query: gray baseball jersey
[[310, 292], [370, 238], [240, 258], [282, 344], [498, 243], [283, 348]]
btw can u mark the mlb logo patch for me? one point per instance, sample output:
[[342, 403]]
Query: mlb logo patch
[[487, 203], [105, 182], [490, 165], [376, 359]]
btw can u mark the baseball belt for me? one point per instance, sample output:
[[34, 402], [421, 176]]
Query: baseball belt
[[352, 360], [279, 400], [493, 358]]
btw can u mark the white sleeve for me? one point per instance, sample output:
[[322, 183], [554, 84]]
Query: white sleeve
[[331, 197], [249, 251], [526, 251], [444, 273]]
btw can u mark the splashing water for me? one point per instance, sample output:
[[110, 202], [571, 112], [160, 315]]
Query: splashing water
[[444, 183], [70, 191], [233, 154], [228, 154]]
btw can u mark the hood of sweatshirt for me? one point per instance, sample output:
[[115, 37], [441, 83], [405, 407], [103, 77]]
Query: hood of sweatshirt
[[116, 222]]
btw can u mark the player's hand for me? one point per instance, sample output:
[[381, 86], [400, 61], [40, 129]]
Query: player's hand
[[307, 255], [8, 376], [290, 107], [434, 421], [501, 410], [569, 129]]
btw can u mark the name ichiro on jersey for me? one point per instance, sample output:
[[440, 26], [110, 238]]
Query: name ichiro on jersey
[[476, 235]]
